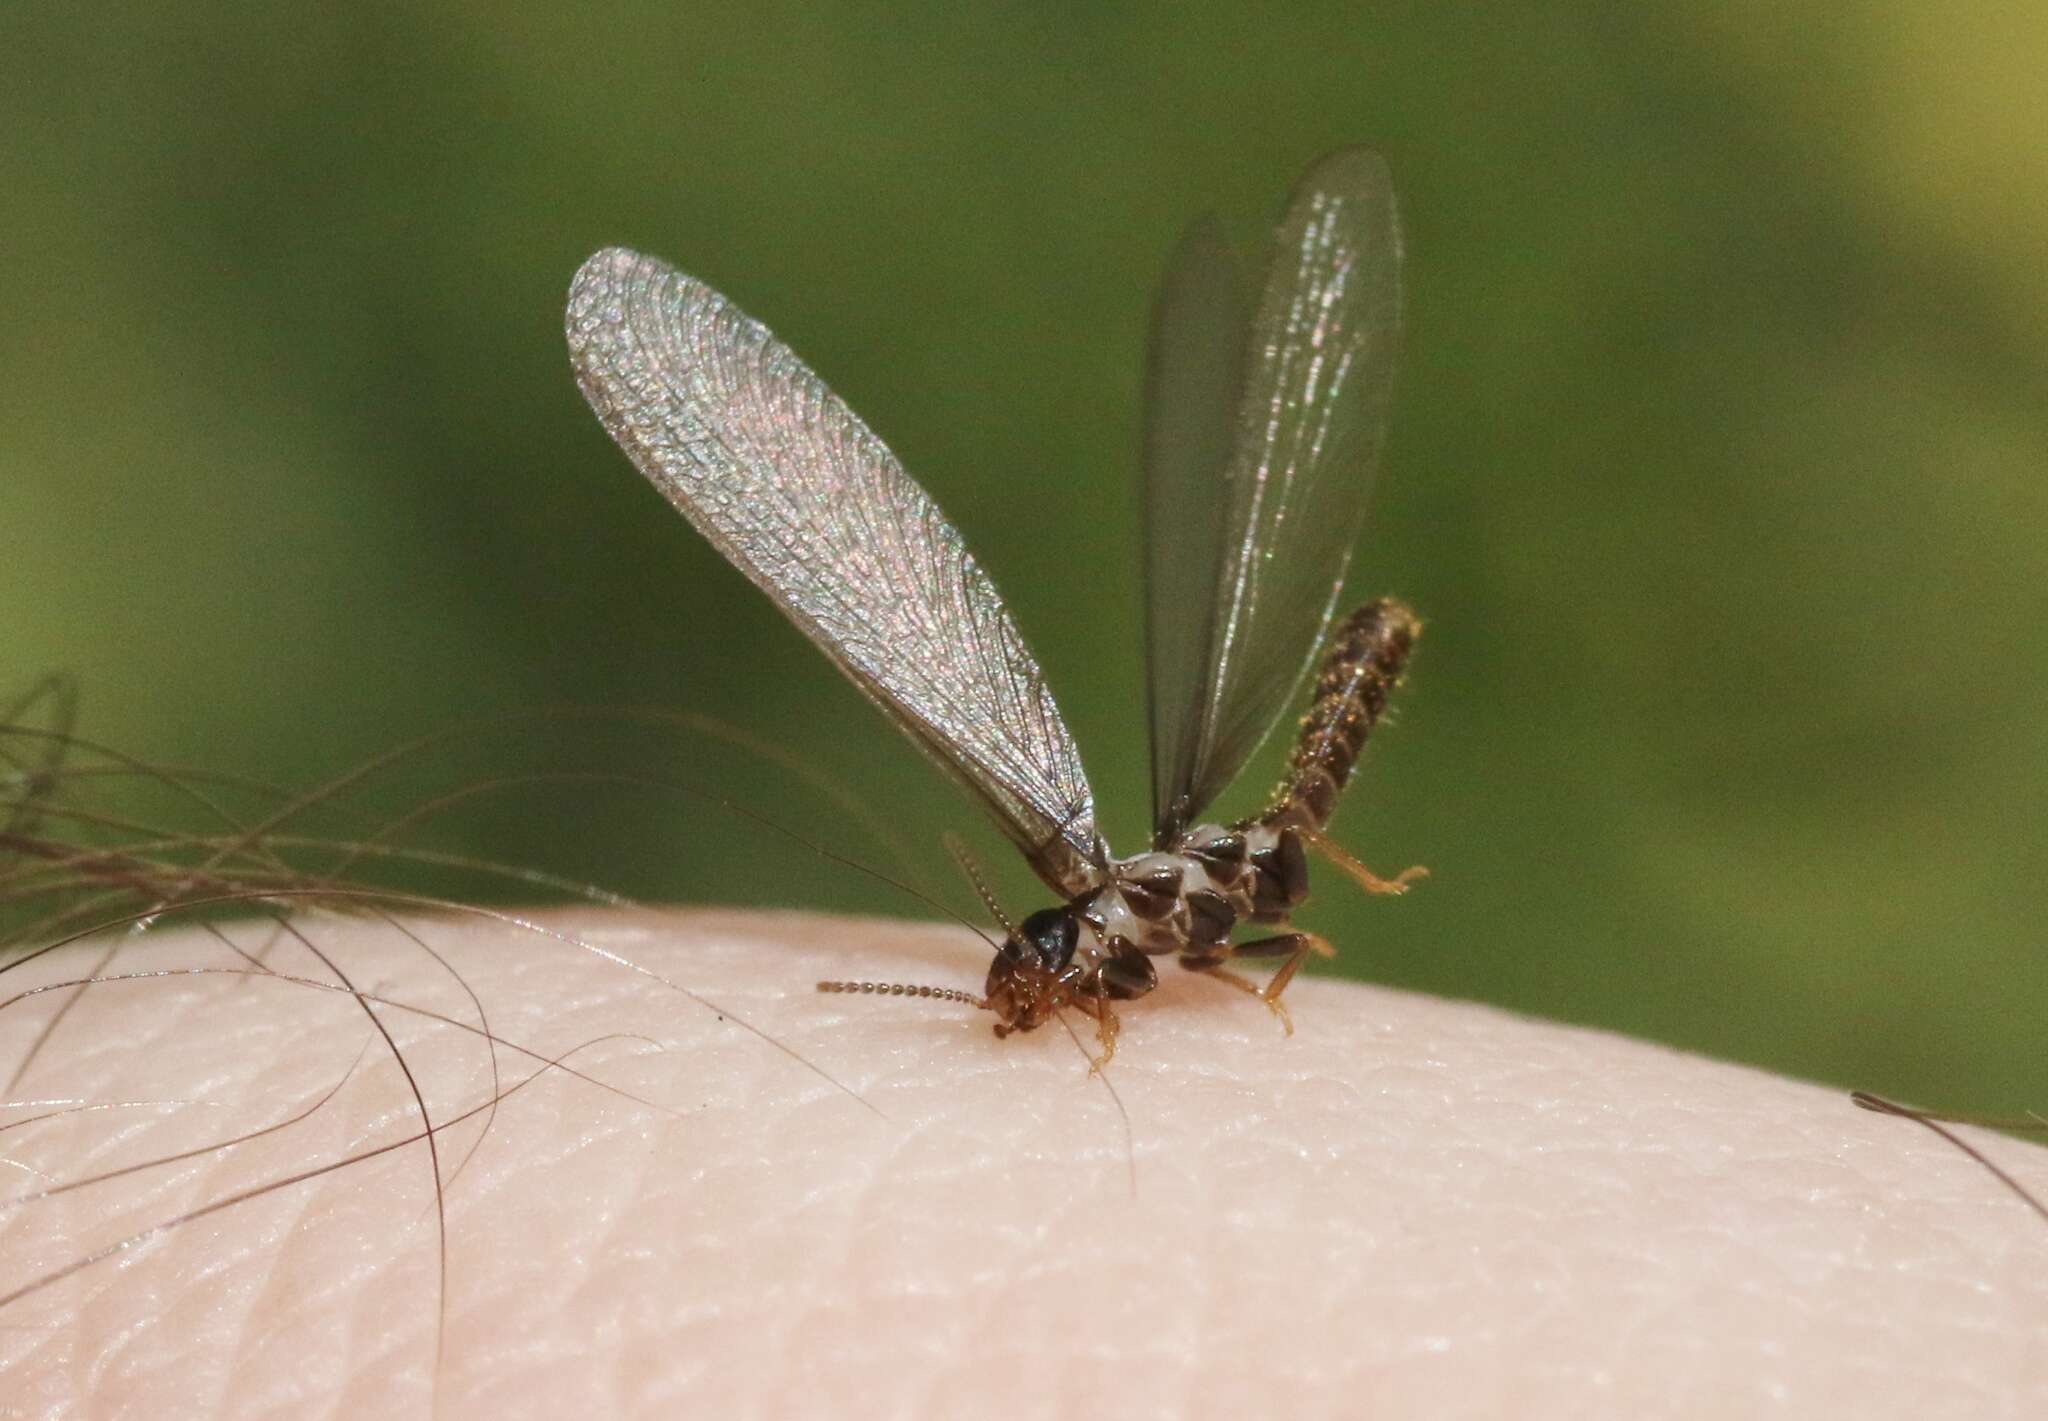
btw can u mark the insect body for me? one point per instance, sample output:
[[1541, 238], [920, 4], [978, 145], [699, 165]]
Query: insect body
[[1263, 426], [1186, 898]]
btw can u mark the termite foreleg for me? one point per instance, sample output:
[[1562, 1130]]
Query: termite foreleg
[[1106, 1028]]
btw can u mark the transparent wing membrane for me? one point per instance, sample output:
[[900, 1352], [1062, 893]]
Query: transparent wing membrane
[[1249, 528], [789, 484], [1193, 381]]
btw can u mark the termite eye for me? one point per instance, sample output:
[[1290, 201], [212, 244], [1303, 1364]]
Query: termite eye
[[1051, 934]]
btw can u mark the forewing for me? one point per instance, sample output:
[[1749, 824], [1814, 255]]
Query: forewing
[[1317, 374], [798, 494]]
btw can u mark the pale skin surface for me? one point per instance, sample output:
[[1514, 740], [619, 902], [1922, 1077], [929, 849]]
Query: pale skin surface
[[1410, 1208]]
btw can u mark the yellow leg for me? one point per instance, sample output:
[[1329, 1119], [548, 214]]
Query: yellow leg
[[1294, 946], [1361, 875], [1246, 984], [1106, 1028]]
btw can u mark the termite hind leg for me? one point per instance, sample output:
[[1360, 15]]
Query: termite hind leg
[[1361, 875], [1295, 947]]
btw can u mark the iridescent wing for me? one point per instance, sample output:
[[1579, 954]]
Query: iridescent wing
[[1262, 434], [798, 494]]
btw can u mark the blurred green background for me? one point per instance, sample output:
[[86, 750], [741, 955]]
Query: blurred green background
[[1717, 459]]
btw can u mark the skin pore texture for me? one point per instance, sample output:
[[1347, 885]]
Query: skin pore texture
[[1412, 1207]]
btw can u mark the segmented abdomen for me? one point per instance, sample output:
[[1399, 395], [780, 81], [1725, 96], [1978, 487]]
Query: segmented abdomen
[[1364, 665]]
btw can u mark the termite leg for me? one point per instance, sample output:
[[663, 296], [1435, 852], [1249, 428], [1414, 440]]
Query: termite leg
[[1106, 1028], [1295, 947], [1361, 875], [1208, 968]]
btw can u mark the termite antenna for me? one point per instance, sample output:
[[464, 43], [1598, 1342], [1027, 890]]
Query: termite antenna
[[907, 989], [957, 847]]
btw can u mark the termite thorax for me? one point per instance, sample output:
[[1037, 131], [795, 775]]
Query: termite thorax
[[1188, 898]]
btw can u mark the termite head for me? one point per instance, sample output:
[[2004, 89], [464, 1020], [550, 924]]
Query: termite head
[[1032, 976]]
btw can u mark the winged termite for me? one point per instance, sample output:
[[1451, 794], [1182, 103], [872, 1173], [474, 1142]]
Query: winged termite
[[1263, 428]]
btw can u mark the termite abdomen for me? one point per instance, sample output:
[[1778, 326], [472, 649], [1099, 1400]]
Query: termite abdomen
[[1364, 664]]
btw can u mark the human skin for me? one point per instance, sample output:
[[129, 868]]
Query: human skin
[[1411, 1207]]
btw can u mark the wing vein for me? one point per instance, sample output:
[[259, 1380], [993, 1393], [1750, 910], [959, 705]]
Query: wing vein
[[1250, 520], [759, 455]]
